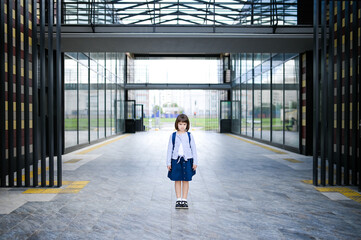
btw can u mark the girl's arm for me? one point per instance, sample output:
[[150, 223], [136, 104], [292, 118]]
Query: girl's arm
[[169, 151], [194, 150]]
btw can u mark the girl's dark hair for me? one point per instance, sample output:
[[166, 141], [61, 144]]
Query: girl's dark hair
[[182, 118]]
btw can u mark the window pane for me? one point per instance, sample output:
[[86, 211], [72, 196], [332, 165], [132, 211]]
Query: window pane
[[235, 110], [193, 70], [257, 107], [277, 105], [83, 104], [70, 103], [249, 107], [243, 109], [109, 105], [266, 106], [101, 99], [93, 104], [291, 104]]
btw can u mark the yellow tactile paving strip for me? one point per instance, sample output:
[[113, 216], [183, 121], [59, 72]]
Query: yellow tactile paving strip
[[307, 181], [347, 192], [311, 181], [257, 144], [103, 144], [70, 187], [32, 174], [75, 160], [292, 160], [343, 190]]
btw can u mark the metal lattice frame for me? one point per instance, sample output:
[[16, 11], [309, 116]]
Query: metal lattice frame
[[178, 12]]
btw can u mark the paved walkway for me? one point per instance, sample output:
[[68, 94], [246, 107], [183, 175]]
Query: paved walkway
[[241, 191]]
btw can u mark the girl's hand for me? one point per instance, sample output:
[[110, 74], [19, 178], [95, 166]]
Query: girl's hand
[[169, 167], [194, 167]]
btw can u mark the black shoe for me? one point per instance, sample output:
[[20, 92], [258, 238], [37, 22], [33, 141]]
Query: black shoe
[[178, 204], [184, 204]]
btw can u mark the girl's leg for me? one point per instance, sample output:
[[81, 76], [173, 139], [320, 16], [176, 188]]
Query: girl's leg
[[185, 189], [177, 186]]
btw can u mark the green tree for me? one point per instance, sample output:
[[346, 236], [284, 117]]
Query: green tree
[[156, 108]]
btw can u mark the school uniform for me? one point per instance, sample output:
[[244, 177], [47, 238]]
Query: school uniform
[[181, 157]]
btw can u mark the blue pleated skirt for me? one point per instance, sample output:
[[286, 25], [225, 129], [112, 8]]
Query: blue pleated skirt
[[181, 171]]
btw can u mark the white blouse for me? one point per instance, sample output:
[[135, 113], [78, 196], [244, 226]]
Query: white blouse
[[180, 150]]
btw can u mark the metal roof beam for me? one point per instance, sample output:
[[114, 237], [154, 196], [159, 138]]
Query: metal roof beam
[[153, 86]]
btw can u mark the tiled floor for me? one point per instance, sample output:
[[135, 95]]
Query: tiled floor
[[240, 191]]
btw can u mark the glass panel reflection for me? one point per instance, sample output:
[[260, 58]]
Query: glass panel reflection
[[226, 110], [269, 97], [192, 70], [291, 103], [93, 105], [83, 104], [266, 106], [257, 111], [161, 107], [90, 96], [277, 105], [70, 103]]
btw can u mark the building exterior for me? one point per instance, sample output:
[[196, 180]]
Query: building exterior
[[59, 91]]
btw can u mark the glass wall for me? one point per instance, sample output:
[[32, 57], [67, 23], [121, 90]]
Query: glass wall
[[249, 97], [175, 70], [269, 97], [277, 104], [83, 105], [243, 93], [161, 107], [94, 84], [70, 101], [94, 124], [236, 94], [291, 102], [266, 97]]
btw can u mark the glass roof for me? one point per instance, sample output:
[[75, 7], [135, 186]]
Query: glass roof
[[182, 12]]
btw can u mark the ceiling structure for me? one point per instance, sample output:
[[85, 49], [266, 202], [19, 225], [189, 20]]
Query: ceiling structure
[[181, 12], [184, 26]]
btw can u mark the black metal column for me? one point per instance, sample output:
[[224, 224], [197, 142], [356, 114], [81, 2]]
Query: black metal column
[[18, 94], [10, 52], [339, 95], [354, 91], [26, 96], [324, 119], [331, 95], [316, 108], [346, 157], [59, 92], [50, 96], [359, 103], [359, 115], [35, 101], [2, 96], [42, 94]]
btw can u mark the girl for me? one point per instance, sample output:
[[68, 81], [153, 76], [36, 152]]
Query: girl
[[181, 159]]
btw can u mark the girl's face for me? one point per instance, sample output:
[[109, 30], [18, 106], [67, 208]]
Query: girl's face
[[182, 126]]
